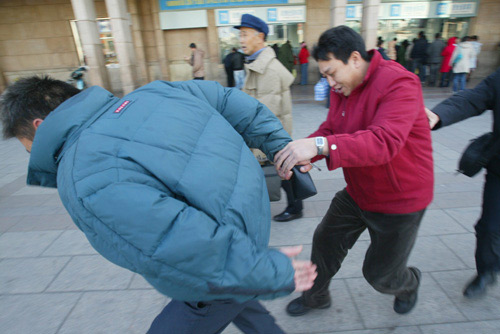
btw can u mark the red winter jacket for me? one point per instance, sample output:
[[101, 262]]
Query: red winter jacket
[[303, 56], [380, 136], [447, 53]]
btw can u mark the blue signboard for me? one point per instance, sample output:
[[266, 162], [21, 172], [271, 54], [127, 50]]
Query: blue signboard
[[272, 15], [198, 4], [441, 8], [395, 10], [224, 17], [350, 12]]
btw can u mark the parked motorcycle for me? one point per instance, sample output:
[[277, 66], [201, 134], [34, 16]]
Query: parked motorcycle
[[77, 78]]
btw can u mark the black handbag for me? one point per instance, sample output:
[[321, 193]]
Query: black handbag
[[478, 154], [273, 182], [302, 184]]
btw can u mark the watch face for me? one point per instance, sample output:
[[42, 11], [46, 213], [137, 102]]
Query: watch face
[[320, 141]]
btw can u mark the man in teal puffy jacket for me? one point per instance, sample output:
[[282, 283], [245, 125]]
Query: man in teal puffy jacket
[[162, 182]]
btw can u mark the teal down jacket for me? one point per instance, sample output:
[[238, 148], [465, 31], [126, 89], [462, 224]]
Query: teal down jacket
[[166, 186]]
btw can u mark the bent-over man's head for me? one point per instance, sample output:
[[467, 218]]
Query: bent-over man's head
[[342, 58], [25, 104]]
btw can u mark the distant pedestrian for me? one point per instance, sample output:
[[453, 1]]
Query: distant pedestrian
[[419, 56], [380, 48], [238, 68], [268, 81], [391, 49], [285, 56], [434, 58], [446, 68], [402, 53], [476, 45], [304, 62], [228, 67], [196, 61], [460, 61]]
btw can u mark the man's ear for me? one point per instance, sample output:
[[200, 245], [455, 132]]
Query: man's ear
[[36, 123], [356, 58]]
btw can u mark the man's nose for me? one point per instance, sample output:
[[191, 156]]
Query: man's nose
[[331, 82]]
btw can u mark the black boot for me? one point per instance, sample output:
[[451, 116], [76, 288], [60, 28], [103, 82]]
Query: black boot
[[404, 304], [298, 306], [287, 215], [478, 286], [294, 208]]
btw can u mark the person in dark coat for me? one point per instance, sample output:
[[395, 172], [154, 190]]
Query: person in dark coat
[[419, 55], [434, 57], [462, 105], [401, 53], [238, 68], [228, 67], [285, 56]]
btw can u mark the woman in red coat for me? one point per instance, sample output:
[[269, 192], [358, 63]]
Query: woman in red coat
[[304, 62], [445, 65]]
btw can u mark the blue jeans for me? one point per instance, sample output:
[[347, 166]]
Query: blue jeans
[[213, 317], [419, 63], [303, 73], [458, 81], [239, 78]]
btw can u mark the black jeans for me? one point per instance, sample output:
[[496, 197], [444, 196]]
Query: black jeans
[[293, 205], [392, 239], [213, 317], [488, 226]]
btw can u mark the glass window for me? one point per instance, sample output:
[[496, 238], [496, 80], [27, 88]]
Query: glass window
[[106, 37]]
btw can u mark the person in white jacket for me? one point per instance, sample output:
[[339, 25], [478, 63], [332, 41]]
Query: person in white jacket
[[476, 45], [460, 61]]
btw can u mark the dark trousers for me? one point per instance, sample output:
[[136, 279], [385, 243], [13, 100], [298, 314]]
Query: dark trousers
[[434, 69], [199, 78], [488, 227], [213, 317], [419, 63], [230, 78], [445, 79], [392, 239], [293, 205]]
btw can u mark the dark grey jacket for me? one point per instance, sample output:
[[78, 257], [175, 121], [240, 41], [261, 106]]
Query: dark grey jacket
[[434, 51]]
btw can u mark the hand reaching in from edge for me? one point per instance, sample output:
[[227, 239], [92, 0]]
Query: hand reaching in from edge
[[432, 117], [305, 271]]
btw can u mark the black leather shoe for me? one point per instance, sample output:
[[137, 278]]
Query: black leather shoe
[[478, 286], [297, 307], [404, 304], [286, 216]]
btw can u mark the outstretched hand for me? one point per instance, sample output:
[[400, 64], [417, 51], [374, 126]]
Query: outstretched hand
[[432, 117], [305, 271], [297, 152]]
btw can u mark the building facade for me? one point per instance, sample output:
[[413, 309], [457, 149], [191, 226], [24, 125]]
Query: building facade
[[127, 43]]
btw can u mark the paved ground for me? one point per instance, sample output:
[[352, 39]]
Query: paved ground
[[52, 281]]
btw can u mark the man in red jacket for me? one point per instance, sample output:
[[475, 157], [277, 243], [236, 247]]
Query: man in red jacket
[[377, 131]]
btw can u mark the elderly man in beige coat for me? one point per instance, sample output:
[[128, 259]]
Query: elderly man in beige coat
[[269, 82]]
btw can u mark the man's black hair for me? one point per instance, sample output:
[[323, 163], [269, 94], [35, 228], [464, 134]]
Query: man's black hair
[[192, 46], [340, 41], [465, 38], [28, 99], [437, 35]]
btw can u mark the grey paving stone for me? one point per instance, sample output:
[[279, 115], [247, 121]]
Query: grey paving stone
[[467, 217], [70, 243], [29, 275], [26, 244], [34, 190], [390, 330], [437, 222], [433, 305], [453, 282], [342, 315], [431, 254], [91, 272], [463, 246], [138, 282], [295, 232], [458, 199], [7, 222], [35, 313], [479, 327], [43, 223], [130, 312]]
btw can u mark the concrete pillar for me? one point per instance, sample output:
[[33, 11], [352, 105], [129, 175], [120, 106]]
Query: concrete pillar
[[369, 23], [122, 38], [337, 12], [140, 54], [161, 48], [84, 11]]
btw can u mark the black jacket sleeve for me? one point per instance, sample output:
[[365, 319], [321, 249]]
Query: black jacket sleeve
[[470, 102]]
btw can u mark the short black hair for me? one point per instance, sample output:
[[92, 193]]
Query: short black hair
[[28, 99], [341, 42], [192, 45], [437, 35], [465, 38]]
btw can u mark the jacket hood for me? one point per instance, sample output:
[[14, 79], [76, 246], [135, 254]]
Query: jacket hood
[[57, 132], [451, 41]]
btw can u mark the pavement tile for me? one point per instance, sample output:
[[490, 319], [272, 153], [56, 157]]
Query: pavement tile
[[424, 255], [35, 313], [463, 246], [458, 199], [91, 272], [433, 305], [479, 327], [70, 243], [467, 217], [106, 312], [43, 223], [138, 282], [29, 275], [437, 222], [7, 222], [26, 244], [295, 232], [453, 283]]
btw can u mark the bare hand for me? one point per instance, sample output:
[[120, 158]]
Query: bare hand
[[432, 117], [297, 152], [305, 271]]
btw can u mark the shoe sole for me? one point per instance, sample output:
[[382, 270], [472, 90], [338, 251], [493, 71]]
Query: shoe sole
[[288, 219], [322, 307]]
